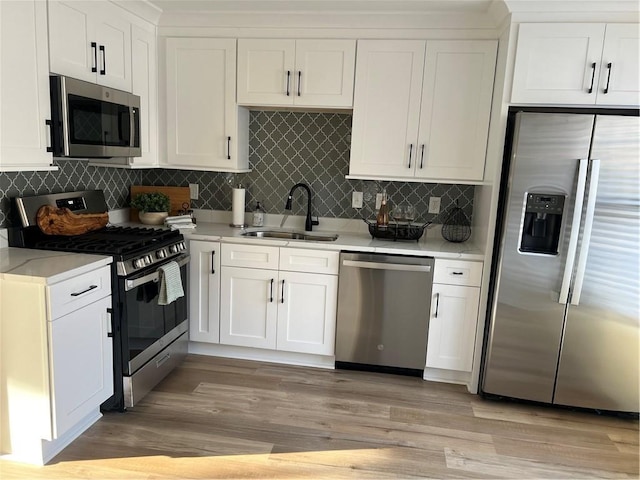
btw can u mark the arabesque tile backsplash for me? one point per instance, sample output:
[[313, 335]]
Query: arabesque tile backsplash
[[284, 148]]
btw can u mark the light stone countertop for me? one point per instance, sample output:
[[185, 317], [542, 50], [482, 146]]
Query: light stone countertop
[[46, 267], [431, 245]]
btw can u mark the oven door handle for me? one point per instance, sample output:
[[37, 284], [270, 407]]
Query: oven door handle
[[152, 277]]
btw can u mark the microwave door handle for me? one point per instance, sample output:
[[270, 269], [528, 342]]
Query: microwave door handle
[[132, 126], [64, 103]]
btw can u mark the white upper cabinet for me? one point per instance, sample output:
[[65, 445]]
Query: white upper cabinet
[[620, 72], [144, 84], [205, 128], [456, 106], [581, 64], [24, 89], [90, 41], [421, 109], [311, 73]]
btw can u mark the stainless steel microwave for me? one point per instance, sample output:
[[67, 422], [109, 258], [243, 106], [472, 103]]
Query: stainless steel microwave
[[92, 121]]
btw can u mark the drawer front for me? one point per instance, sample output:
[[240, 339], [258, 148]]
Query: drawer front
[[457, 272], [251, 256], [310, 261], [67, 296]]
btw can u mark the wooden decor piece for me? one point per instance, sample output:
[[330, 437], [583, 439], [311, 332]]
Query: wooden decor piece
[[62, 221], [177, 195]]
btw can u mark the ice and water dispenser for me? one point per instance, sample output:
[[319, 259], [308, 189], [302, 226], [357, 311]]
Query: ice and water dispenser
[[541, 223]]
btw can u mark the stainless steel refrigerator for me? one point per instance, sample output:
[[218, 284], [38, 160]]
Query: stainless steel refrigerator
[[564, 321]]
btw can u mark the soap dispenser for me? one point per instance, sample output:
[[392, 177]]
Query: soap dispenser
[[258, 216]]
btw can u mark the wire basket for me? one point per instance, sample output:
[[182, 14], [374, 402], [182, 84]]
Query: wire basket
[[396, 230], [457, 227]]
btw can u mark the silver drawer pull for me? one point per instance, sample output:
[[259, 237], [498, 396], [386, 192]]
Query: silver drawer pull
[[91, 287], [457, 273], [160, 361]]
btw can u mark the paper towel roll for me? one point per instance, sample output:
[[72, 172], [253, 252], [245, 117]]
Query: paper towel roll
[[237, 207]]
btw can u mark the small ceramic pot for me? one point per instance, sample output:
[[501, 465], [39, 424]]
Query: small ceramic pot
[[152, 218]]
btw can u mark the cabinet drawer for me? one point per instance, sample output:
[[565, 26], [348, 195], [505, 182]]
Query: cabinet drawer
[[252, 256], [457, 272], [67, 296], [310, 261]]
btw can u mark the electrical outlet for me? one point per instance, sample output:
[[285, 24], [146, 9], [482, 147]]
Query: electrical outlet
[[434, 205], [194, 190], [356, 199], [378, 200]]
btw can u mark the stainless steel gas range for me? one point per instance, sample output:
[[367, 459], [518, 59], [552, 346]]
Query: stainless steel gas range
[[149, 339]]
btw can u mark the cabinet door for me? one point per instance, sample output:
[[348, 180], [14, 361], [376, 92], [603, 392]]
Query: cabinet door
[[113, 35], [386, 107], [204, 291], [619, 77], [71, 34], [81, 359], [266, 71], [144, 84], [24, 90], [452, 327], [201, 109], [324, 73], [307, 312], [455, 111], [248, 307], [557, 63]]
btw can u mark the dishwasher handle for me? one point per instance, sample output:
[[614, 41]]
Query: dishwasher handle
[[387, 266]]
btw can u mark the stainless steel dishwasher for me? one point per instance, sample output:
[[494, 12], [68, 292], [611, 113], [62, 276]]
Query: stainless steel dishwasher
[[384, 304]]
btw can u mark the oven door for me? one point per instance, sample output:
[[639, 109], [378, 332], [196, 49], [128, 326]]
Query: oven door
[[148, 327]]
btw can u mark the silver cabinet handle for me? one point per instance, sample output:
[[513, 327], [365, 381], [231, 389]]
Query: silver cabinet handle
[[387, 266], [300, 81], [103, 70], [91, 287], [228, 148], [421, 155], [437, 305], [271, 291], [213, 268]]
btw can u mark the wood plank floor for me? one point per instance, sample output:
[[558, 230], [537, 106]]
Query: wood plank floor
[[221, 418]]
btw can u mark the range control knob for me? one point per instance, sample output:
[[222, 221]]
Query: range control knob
[[173, 248], [182, 246], [138, 263], [161, 253], [148, 260]]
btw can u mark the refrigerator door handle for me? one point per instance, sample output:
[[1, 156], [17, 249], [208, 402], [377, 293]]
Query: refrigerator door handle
[[586, 235], [575, 231]]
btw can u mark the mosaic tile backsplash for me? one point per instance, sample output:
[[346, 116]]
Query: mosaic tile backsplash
[[284, 148]]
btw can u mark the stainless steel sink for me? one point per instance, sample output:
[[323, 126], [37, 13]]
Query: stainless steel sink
[[314, 237]]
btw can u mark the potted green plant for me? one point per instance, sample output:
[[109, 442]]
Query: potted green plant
[[153, 207]]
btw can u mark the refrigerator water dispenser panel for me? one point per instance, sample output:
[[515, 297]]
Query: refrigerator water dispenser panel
[[541, 223]]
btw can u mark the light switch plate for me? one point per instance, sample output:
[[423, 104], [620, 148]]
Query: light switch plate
[[194, 190], [356, 199], [434, 205]]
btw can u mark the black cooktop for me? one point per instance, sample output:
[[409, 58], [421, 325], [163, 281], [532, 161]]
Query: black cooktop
[[111, 240]]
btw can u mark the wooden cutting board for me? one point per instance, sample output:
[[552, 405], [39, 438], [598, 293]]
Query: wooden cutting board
[[177, 195], [62, 221]]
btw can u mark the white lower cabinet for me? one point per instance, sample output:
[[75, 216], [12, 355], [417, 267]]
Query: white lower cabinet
[[204, 294], [289, 310], [454, 315], [56, 353]]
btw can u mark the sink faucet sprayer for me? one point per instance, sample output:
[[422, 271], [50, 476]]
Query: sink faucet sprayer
[[308, 224]]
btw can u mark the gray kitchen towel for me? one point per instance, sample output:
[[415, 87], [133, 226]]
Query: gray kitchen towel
[[170, 283]]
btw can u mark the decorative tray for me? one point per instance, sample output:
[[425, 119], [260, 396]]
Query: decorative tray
[[397, 230]]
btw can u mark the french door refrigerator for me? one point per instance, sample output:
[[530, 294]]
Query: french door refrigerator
[[564, 322]]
